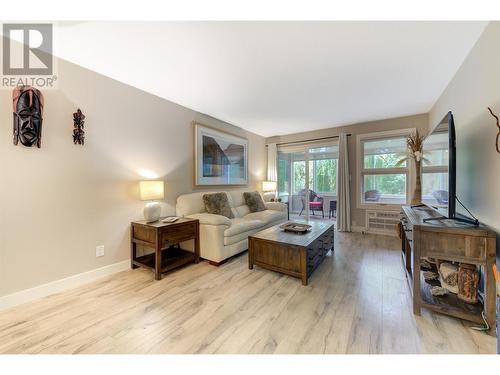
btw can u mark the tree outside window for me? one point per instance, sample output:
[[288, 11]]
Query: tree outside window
[[322, 175], [325, 175]]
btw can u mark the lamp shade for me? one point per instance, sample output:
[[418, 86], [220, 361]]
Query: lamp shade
[[268, 185], [151, 190]]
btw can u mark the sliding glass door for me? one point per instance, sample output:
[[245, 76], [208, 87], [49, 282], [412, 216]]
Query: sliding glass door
[[307, 179], [292, 178]]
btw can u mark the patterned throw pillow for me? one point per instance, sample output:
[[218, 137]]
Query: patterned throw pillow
[[254, 201], [218, 204]]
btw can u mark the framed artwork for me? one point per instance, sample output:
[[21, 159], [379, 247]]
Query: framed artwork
[[220, 158]]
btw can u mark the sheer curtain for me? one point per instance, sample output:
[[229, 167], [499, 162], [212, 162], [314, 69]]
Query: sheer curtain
[[344, 198], [272, 162]]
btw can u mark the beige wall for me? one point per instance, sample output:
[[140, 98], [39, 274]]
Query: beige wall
[[475, 87], [418, 121], [58, 202]]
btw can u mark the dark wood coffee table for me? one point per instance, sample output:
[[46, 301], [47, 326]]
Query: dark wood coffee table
[[293, 254]]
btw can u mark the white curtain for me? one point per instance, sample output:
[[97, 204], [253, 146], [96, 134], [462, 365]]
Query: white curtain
[[272, 162], [344, 197]]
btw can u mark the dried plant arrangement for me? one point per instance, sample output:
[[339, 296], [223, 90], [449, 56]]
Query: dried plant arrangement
[[415, 144]]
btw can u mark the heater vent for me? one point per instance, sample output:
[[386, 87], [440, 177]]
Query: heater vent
[[382, 222]]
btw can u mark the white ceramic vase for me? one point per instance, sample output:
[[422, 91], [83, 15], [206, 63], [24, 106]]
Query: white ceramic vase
[[152, 211]]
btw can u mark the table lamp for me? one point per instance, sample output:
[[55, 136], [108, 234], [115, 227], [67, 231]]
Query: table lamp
[[152, 191], [269, 186]]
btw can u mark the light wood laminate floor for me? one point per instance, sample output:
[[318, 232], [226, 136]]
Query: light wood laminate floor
[[357, 301]]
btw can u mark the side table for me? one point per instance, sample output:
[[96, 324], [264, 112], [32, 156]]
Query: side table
[[164, 238]]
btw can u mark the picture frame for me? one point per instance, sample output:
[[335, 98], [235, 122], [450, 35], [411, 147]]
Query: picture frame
[[220, 158]]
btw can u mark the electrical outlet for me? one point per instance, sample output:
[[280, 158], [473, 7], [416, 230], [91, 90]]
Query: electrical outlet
[[99, 251]]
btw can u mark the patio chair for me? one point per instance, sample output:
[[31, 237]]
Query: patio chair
[[441, 196], [315, 202], [372, 196], [332, 212]]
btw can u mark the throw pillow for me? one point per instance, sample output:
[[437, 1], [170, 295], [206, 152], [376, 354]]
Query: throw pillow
[[254, 201], [218, 204]]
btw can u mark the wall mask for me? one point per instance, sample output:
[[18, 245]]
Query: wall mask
[[28, 110]]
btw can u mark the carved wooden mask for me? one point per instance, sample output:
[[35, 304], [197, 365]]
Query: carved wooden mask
[[28, 110]]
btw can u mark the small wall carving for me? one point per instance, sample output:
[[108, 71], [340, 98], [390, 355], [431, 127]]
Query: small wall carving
[[78, 132], [498, 126], [27, 111]]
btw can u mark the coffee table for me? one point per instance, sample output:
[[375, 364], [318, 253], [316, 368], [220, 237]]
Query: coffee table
[[293, 254]]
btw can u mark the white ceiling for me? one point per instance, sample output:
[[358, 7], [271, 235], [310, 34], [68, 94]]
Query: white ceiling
[[275, 78]]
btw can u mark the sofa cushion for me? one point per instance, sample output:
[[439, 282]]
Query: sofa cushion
[[242, 225], [236, 198], [276, 206], [241, 211], [211, 219], [267, 216], [240, 237], [254, 201], [190, 204], [218, 204]]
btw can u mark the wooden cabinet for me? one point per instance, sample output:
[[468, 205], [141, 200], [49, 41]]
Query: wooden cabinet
[[449, 241]]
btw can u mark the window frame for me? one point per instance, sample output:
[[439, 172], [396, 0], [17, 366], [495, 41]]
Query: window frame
[[409, 170]]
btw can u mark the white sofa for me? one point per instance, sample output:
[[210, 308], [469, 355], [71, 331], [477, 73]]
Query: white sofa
[[221, 237]]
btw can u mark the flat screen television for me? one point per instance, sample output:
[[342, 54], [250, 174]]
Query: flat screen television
[[439, 180]]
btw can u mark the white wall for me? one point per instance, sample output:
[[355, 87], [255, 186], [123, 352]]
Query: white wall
[[58, 202], [475, 87]]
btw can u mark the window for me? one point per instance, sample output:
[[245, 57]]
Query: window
[[322, 170], [283, 172], [324, 176], [435, 170], [382, 179], [299, 175], [312, 166]]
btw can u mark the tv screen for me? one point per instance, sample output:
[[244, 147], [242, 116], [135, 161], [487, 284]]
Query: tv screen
[[439, 167]]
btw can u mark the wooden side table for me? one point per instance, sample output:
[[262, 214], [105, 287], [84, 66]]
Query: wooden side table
[[164, 238]]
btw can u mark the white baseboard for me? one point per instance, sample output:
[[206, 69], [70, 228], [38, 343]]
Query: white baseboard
[[364, 230], [358, 229], [57, 286]]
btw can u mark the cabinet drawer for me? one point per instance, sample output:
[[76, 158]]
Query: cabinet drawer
[[314, 249], [408, 230], [171, 236], [313, 253], [313, 263], [454, 245], [328, 243], [144, 233]]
